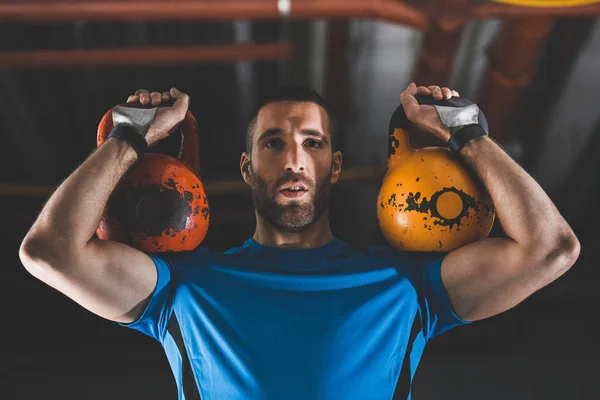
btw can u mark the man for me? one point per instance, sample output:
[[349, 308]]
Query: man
[[294, 313]]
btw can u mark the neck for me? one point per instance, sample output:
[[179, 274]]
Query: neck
[[316, 235]]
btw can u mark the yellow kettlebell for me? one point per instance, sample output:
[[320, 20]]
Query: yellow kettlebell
[[428, 200]]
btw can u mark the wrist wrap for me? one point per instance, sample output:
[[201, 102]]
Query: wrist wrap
[[128, 134]]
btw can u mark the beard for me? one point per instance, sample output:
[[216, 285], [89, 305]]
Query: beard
[[295, 216]]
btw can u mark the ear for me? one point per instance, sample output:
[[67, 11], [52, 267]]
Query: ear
[[245, 168], [336, 167]]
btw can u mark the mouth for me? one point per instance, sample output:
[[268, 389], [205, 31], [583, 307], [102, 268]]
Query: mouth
[[293, 190]]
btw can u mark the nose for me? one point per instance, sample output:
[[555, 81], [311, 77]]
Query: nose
[[295, 158]]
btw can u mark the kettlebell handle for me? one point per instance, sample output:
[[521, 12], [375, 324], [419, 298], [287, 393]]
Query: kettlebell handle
[[190, 143], [189, 151], [398, 141]]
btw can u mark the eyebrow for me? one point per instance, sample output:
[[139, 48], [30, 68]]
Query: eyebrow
[[305, 132]]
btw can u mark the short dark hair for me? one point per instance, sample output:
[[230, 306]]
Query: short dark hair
[[298, 94]]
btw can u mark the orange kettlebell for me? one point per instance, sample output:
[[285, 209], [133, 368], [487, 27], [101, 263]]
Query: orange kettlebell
[[160, 204], [428, 200]]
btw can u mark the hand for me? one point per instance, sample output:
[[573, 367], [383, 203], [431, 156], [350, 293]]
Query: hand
[[174, 105], [425, 116]]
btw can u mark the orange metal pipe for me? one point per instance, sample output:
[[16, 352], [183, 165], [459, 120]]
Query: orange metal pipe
[[146, 56], [440, 42], [115, 10], [490, 10], [511, 66], [437, 55]]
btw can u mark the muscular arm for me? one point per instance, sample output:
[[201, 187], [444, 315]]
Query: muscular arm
[[490, 276], [487, 277], [108, 278]]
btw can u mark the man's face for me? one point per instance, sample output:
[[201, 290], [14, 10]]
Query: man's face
[[292, 167]]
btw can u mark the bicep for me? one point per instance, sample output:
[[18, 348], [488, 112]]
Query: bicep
[[110, 279], [490, 276]]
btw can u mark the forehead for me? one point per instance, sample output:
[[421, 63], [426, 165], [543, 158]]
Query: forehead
[[292, 114]]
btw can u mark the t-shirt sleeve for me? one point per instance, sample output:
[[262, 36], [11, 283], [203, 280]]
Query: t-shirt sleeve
[[437, 313], [155, 317]]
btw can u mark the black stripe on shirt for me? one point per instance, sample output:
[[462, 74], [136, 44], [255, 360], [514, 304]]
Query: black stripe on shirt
[[188, 382], [404, 385]]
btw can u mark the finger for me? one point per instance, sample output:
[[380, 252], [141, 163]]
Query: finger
[[133, 98], [423, 90], [155, 98], [176, 94], [436, 92], [455, 93], [447, 93], [140, 91], [409, 103], [182, 101], [145, 98], [166, 97]]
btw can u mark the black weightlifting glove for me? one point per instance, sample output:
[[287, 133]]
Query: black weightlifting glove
[[464, 123]]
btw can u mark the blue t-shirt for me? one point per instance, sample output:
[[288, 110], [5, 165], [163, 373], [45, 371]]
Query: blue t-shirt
[[332, 322]]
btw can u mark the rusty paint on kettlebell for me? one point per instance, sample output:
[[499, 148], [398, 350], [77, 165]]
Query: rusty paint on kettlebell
[[428, 200], [160, 205]]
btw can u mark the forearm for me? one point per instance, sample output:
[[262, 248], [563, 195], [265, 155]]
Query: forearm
[[71, 215], [526, 213]]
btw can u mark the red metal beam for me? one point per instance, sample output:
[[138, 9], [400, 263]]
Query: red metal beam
[[116, 10], [387, 10], [146, 56]]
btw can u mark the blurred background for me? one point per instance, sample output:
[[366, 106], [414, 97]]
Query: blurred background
[[533, 66]]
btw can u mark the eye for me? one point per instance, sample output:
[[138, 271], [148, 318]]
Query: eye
[[313, 143], [273, 143]]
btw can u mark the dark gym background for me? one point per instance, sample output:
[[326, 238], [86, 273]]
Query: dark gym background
[[535, 72]]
